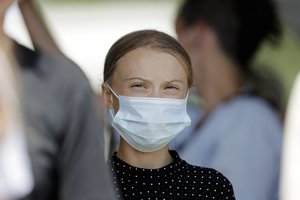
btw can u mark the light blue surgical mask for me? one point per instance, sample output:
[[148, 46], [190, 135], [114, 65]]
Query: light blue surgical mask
[[149, 124]]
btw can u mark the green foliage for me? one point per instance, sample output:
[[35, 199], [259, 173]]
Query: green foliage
[[284, 60]]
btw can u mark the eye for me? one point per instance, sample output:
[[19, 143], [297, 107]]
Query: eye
[[138, 85], [172, 87], [172, 90]]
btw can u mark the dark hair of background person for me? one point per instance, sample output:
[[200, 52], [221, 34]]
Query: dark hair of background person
[[241, 26], [152, 38]]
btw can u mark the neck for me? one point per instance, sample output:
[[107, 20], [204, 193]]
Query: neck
[[149, 160], [223, 80]]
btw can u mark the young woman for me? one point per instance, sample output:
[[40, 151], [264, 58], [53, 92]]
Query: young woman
[[147, 78]]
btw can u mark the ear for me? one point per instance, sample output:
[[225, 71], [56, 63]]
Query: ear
[[108, 98], [201, 31], [206, 36]]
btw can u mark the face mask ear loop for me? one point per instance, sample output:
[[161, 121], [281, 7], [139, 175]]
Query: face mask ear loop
[[112, 91], [111, 110], [187, 94]]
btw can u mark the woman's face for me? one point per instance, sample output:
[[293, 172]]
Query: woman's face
[[148, 72]]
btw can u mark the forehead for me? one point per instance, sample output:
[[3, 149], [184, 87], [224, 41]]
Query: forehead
[[150, 63]]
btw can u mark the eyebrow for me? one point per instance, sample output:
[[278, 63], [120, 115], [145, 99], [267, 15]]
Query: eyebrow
[[146, 80], [133, 78]]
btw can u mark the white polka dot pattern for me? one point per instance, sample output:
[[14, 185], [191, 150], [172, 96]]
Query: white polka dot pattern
[[178, 180]]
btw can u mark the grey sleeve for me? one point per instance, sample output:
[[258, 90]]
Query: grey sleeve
[[82, 169]]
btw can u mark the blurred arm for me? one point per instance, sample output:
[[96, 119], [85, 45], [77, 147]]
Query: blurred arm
[[38, 31]]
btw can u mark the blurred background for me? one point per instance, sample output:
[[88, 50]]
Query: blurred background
[[85, 30]]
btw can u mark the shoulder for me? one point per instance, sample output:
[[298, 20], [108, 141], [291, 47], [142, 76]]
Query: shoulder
[[244, 121], [56, 72], [249, 105], [199, 173], [209, 181], [243, 116], [62, 69], [247, 110], [206, 175]]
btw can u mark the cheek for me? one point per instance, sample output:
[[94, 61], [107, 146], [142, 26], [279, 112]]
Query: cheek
[[191, 51], [198, 69]]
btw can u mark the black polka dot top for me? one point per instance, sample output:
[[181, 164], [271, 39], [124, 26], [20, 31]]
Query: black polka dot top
[[178, 180]]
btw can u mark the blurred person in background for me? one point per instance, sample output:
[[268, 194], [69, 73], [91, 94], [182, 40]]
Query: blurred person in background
[[62, 125], [16, 179], [237, 128]]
